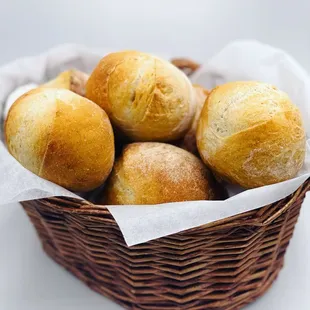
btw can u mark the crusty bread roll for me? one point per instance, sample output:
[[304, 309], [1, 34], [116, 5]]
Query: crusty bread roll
[[153, 173], [251, 134], [148, 98], [16, 94], [61, 137], [189, 141], [73, 80]]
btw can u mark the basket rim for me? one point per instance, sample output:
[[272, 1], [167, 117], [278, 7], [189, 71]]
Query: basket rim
[[84, 207]]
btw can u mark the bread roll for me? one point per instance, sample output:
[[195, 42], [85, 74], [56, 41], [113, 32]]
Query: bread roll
[[251, 134], [73, 80], [147, 98], [189, 141], [62, 137], [153, 173], [16, 94]]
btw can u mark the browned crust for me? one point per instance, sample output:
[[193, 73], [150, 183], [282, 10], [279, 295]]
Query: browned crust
[[153, 173], [68, 141], [251, 134], [189, 141], [73, 80], [146, 98]]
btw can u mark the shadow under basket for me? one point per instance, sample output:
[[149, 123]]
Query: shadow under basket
[[223, 265]]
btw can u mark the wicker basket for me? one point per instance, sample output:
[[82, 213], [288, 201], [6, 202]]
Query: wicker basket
[[224, 265]]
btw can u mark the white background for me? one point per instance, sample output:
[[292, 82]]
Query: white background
[[28, 279], [196, 28]]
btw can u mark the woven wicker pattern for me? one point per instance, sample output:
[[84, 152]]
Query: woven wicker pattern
[[186, 65], [225, 265]]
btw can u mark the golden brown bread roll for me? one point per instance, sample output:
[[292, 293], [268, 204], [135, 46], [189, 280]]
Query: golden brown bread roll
[[153, 173], [189, 141], [62, 137], [251, 134], [73, 80], [148, 98]]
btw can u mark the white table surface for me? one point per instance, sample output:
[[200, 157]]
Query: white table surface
[[29, 280]]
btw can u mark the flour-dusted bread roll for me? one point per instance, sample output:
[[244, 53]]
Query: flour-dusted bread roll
[[251, 134], [16, 94], [62, 137], [153, 173], [189, 141], [147, 98], [73, 80]]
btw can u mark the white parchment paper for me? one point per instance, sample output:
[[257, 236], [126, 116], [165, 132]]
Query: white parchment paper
[[243, 60]]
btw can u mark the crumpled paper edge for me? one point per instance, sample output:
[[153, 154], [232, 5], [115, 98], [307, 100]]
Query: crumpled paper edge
[[134, 233]]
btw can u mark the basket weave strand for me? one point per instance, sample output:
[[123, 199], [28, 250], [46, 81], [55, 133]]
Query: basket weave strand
[[224, 265]]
